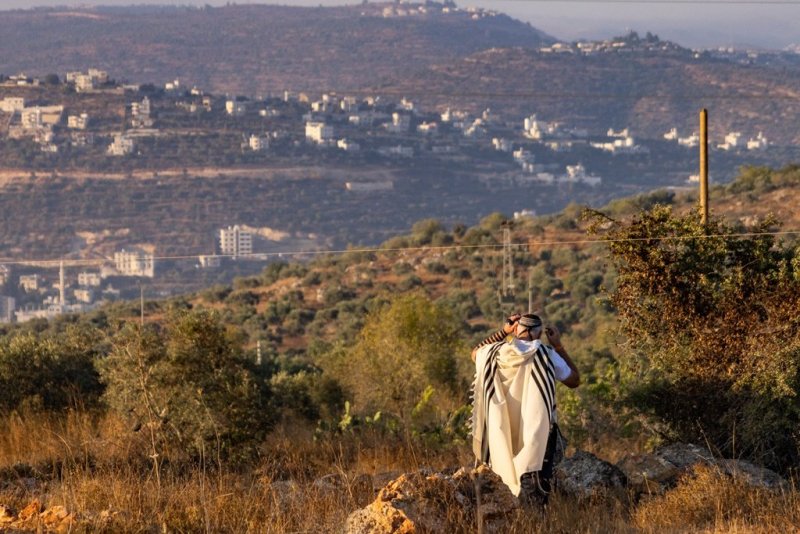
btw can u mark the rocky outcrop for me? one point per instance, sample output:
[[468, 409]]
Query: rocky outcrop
[[660, 471], [436, 502], [585, 475], [36, 518]]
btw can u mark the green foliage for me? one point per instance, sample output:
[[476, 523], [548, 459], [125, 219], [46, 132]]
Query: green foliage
[[714, 332], [50, 371], [188, 384], [405, 347]]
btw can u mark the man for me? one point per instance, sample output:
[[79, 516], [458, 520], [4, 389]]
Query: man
[[514, 411]]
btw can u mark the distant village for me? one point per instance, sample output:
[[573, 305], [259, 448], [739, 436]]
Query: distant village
[[375, 128]]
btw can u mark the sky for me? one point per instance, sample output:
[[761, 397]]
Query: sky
[[700, 24]]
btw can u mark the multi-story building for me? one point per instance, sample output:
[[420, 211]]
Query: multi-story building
[[87, 279], [30, 282], [121, 146], [12, 104], [235, 241], [319, 132], [134, 262], [258, 143], [78, 122]]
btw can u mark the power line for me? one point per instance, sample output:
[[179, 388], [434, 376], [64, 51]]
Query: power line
[[691, 2], [551, 95], [292, 253]]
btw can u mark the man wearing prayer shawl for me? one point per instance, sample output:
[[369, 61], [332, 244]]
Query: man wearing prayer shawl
[[514, 404]]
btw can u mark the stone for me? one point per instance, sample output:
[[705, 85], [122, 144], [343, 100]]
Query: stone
[[31, 511], [436, 502], [661, 470], [584, 475], [753, 475], [685, 455], [648, 473], [379, 480], [57, 519], [7, 514]]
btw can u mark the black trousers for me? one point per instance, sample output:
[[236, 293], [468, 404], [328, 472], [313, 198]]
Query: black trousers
[[537, 485]]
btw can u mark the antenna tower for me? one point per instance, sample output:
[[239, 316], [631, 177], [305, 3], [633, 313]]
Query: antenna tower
[[508, 261]]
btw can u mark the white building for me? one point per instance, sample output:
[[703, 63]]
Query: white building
[[12, 104], [134, 262], [84, 295], [121, 146], [759, 143], [235, 108], [235, 241], [671, 135], [258, 143], [401, 123], [84, 83], [502, 145], [30, 282], [577, 173], [319, 132], [5, 273], [100, 77], [428, 127], [689, 142], [140, 114], [209, 261], [347, 145], [731, 141], [31, 118], [78, 122], [88, 279]]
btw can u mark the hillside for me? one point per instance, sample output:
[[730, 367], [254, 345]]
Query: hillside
[[251, 49], [291, 376], [648, 89]]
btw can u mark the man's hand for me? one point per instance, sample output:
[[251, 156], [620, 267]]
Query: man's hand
[[553, 336], [511, 323]]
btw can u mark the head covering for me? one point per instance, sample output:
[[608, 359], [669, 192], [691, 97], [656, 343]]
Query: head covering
[[530, 320]]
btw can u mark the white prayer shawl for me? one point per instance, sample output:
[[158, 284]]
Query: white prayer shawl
[[513, 408]]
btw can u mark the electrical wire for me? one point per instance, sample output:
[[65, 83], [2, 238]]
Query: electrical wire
[[382, 250]]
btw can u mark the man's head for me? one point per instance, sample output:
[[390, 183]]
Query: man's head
[[529, 327]]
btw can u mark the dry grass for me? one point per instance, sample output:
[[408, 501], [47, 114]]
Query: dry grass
[[99, 469]]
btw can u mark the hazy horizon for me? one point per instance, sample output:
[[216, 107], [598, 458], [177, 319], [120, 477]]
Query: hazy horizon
[[694, 25]]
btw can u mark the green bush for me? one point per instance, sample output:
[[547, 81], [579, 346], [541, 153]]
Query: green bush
[[190, 386], [408, 345], [51, 371], [714, 332]]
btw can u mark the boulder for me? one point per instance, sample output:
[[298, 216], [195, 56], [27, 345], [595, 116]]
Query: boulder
[[584, 475], [648, 473], [754, 475], [685, 455], [657, 472], [436, 502]]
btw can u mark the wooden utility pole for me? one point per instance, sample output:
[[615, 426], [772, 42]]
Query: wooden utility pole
[[704, 165]]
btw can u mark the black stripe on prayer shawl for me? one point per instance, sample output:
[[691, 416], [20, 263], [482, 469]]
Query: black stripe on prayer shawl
[[551, 382], [551, 371], [490, 368], [541, 366], [544, 381], [539, 380]]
